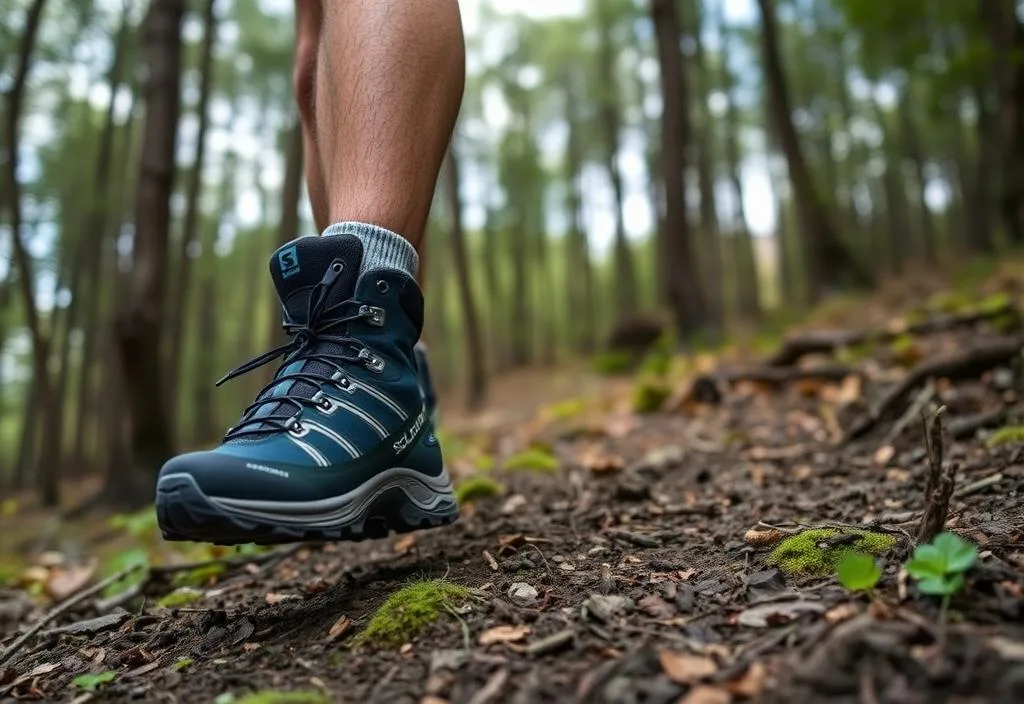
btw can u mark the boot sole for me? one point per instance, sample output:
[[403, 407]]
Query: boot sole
[[397, 500]]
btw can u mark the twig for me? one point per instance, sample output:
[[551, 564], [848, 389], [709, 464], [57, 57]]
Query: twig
[[63, 607], [914, 411], [981, 484], [939, 482]]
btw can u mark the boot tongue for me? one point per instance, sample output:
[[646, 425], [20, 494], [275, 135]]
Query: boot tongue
[[298, 266]]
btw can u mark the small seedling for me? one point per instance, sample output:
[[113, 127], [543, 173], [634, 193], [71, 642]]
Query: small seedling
[[91, 683], [939, 566], [858, 572]]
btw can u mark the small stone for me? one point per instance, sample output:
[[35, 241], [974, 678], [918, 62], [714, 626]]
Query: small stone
[[522, 594], [604, 607], [767, 580], [513, 504], [448, 660], [656, 462], [633, 487]]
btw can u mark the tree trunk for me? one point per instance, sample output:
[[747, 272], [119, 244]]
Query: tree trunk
[[912, 143], [712, 279], [189, 230], [579, 272], [828, 257], [288, 228], [1006, 34], [895, 194], [683, 290], [611, 126], [42, 399], [142, 307], [477, 374]]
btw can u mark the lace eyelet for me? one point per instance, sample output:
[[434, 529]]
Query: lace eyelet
[[336, 267], [382, 285], [297, 429], [325, 404]]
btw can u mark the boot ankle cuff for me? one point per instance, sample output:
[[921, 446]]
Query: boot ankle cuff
[[382, 248]]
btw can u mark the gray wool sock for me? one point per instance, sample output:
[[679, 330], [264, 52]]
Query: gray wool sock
[[382, 248]]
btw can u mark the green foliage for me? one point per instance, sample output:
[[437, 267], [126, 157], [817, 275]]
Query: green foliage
[[180, 597], [270, 697], [91, 683], [650, 394], [407, 613], [939, 566], [124, 560], [613, 363], [199, 576], [183, 664], [852, 354], [858, 571], [477, 487], [818, 552], [568, 409], [141, 525], [1007, 435], [533, 460]]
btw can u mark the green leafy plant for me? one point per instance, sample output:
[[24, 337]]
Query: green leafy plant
[[477, 487], [858, 572], [91, 683], [533, 460], [939, 566], [183, 664], [1007, 435]]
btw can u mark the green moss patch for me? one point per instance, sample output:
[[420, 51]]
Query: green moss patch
[[278, 698], [477, 487], [534, 460], [182, 596], [567, 410], [818, 551], [1007, 435], [650, 394], [613, 363], [407, 613]]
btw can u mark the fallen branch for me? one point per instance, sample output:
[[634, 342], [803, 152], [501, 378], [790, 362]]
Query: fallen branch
[[966, 426], [772, 376], [799, 346], [939, 482], [66, 605], [979, 485], [972, 362], [915, 410]]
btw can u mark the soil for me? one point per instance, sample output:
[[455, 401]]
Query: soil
[[650, 585]]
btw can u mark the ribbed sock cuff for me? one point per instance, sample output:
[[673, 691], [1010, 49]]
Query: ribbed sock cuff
[[382, 248]]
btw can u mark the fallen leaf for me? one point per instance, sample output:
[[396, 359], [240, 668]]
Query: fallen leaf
[[775, 614], [686, 669], [843, 612], [504, 634], [274, 598], [1007, 649], [750, 683], [850, 391], [654, 605], [250, 646], [884, 454], [65, 581], [405, 543], [431, 699], [44, 669], [706, 695], [339, 628], [600, 462], [763, 537]]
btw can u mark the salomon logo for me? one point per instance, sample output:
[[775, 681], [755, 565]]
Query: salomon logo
[[403, 442], [288, 261], [268, 470]]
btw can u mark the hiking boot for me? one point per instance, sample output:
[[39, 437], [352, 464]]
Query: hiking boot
[[426, 384], [339, 445]]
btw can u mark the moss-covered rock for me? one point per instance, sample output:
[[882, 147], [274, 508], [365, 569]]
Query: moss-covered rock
[[477, 487], [650, 394], [818, 552], [533, 460], [1007, 435], [407, 613]]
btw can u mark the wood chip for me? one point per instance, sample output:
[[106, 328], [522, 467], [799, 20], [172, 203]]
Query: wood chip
[[340, 628], [750, 683], [551, 643], [504, 634], [775, 614], [686, 669]]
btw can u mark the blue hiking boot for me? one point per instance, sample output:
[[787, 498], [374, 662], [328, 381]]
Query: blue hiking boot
[[340, 445]]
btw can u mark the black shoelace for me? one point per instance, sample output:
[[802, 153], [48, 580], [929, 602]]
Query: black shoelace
[[307, 344]]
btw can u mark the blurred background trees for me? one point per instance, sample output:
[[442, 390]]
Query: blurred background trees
[[715, 162]]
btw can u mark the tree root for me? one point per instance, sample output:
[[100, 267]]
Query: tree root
[[828, 341], [962, 365]]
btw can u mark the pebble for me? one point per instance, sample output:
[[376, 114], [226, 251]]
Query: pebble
[[522, 594]]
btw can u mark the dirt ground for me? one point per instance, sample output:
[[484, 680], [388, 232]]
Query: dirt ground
[[637, 571]]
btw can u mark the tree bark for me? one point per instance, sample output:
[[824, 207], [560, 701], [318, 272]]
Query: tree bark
[[828, 257], [1006, 34], [611, 126], [476, 390], [190, 231], [288, 228], [912, 143], [579, 272], [42, 399], [143, 305], [683, 290]]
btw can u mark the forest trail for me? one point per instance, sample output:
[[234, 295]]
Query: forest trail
[[621, 556]]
